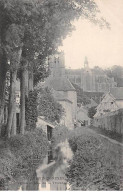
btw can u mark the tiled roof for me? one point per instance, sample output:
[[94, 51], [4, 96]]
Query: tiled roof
[[117, 92], [59, 84], [61, 97]]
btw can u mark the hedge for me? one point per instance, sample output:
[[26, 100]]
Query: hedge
[[20, 155], [97, 163]]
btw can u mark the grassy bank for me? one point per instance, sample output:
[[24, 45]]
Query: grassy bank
[[111, 134], [97, 164]]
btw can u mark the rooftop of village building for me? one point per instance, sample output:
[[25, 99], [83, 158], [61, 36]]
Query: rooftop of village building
[[59, 84]]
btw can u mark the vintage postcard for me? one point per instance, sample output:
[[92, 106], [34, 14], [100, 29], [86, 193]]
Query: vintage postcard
[[61, 95]]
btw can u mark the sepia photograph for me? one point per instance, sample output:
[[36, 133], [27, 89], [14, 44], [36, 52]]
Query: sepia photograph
[[61, 95]]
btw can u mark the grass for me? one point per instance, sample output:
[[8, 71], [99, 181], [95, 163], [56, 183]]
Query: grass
[[97, 163], [110, 134]]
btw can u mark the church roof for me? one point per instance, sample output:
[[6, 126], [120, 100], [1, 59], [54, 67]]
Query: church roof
[[59, 84], [117, 92]]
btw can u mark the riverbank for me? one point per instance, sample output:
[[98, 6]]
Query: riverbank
[[97, 163], [52, 176], [110, 134]]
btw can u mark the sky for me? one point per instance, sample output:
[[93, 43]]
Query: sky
[[102, 47]]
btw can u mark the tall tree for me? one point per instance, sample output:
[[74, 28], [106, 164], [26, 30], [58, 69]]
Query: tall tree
[[14, 48], [48, 107], [39, 27]]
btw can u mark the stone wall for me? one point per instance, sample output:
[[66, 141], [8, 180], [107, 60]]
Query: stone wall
[[112, 122]]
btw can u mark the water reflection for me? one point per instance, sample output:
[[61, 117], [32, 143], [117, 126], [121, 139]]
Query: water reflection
[[52, 175]]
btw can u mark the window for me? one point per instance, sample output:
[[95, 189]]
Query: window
[[50, 156], [49, 132]]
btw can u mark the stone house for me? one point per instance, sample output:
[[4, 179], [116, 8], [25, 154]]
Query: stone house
[[65, 94], [112, 101], [46, 126], [62, 90]]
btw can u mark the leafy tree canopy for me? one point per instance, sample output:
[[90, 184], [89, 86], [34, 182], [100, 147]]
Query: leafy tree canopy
[[48, 107], [115, 71], [41, 25], [92, 112]]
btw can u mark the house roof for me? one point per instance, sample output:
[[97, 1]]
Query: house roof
[[47, 122], [61, 97], [65, 99], [59, 84], [117, 92]]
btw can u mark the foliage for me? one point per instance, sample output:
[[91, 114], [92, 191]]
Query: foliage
[[3, 131], [60, 134], [111, 134], [115, 72], [32, 30], [48, 107], [22, 154], [31, 110], [91, 112], [96, 164]]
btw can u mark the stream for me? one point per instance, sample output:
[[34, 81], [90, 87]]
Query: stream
[[51, 174]]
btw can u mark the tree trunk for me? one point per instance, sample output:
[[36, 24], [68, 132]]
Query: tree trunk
[[13, 131], [23, 94], [26, 81], [11, 101], [12, 97], [31, 84], [3, 71]]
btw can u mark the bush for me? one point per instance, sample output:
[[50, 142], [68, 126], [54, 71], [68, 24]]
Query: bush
[[91, 112], [31, 110], [96, 164], [22, 154], [60, 134], [49, 107], [3, 131]]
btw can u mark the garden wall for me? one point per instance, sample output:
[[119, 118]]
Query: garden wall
[[111, 121]]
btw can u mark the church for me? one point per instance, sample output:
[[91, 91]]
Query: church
[[62, 89], [91, 80]]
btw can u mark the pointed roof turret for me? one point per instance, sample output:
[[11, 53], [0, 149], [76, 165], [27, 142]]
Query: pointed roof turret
[[86, 65], [86, 62]]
